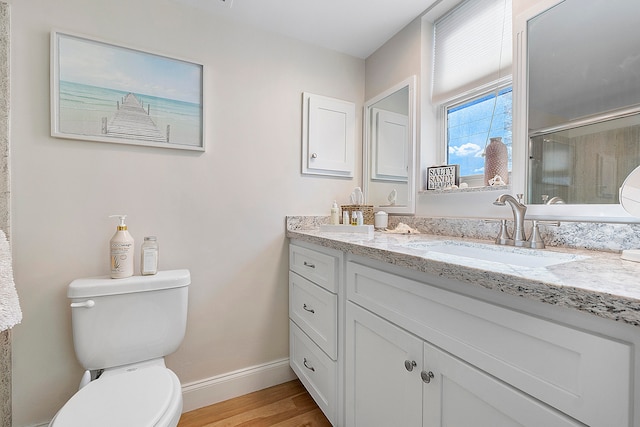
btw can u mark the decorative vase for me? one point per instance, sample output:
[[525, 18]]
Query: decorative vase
[[496, 161]]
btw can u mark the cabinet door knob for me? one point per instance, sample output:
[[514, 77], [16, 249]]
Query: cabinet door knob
[[409, 365], [314, 155], [306, 365], [310, 310], [426, 376]]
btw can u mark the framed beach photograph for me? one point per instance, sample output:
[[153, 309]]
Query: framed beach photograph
[[108, 93]]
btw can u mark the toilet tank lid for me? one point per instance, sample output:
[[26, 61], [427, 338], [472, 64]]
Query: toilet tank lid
[[105, 285]]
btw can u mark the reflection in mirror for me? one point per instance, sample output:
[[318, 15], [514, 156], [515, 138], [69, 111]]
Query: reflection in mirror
[[389, 149], [630, 193], [630, 200], [585, 164], [583, 92]]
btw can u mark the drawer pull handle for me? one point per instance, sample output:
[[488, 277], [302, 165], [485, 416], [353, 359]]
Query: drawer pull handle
[[311, 368], [308, 264], [409, 365], [310, 310], [426, 376]]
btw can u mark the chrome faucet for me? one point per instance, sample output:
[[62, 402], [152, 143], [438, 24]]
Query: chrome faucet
[[519, 211]]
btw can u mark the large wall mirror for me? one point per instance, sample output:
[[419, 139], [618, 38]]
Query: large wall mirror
[[389, 149], [579, 66]]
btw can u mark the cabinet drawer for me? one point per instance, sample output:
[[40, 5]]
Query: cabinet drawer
[[315, 369], [315, 311], [320, 268], [584, 375]]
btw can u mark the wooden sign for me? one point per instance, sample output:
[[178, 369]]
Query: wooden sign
[[441, 177]]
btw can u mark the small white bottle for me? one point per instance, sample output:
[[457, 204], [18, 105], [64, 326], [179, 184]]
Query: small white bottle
[[122, 249], [335, 214], [345, 218], [149, 256]]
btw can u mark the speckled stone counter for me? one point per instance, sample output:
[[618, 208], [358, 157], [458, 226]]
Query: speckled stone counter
[[595, 282]]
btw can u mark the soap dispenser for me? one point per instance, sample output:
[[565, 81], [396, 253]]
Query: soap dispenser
[[335, 214], [121, 251]]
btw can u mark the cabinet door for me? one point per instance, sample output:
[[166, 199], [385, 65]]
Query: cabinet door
[[457, 394], [380, 389], [328, 136]]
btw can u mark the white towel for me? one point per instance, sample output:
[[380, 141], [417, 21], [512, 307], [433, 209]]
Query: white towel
[[10, 313]]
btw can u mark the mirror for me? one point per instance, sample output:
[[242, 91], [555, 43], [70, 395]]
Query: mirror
[[583, 101], [389, 149]]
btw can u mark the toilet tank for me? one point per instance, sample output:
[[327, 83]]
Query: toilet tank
[[121, 321]]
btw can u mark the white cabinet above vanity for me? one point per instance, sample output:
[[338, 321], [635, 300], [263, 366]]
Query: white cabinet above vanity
[[429, 339]]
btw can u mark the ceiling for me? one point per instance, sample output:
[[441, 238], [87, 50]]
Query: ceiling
[[354, 27]]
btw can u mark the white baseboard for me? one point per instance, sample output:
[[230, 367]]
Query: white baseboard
[[216, 389]]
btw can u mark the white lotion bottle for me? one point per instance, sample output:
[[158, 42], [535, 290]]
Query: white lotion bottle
[[121, 251], [335, 214]]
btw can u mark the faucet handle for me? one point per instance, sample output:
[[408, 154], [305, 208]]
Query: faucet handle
[[503, 234], [535, 240], [520, 197]]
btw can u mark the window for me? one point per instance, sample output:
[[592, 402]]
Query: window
[[472, 82], [470, 124]]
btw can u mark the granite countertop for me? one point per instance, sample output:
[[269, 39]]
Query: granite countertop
[[595, 282]]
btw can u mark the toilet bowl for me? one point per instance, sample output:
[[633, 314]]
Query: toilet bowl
[[122, 329], [141, 396]]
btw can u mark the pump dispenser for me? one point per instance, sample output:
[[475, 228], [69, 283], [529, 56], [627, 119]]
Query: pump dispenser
[[121, 251], [335, 214]]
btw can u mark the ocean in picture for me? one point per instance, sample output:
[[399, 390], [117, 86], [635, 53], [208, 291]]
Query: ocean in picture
[[91, 111]]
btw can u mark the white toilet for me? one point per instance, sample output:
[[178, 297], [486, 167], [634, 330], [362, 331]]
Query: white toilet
[[122, 329]]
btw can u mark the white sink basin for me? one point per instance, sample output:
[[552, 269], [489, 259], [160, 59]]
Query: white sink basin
[[521, 257]]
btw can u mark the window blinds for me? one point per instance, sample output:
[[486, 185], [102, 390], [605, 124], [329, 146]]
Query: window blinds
[[472, 48]]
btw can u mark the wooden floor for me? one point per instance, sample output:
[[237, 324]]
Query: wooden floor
[[284, 405]]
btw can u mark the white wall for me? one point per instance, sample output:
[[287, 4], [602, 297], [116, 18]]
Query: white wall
[[219, 213], [393, 62]]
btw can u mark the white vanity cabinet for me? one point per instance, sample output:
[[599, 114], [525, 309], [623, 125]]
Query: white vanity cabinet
[[315, 277], [418, 354], [397, 379]]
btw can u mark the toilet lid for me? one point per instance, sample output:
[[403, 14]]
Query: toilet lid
[[139, 397]]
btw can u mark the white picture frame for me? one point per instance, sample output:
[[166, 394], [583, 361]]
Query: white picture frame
[[107, 93]]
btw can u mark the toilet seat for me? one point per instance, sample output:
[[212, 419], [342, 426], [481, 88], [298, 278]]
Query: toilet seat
[[139, 396]]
